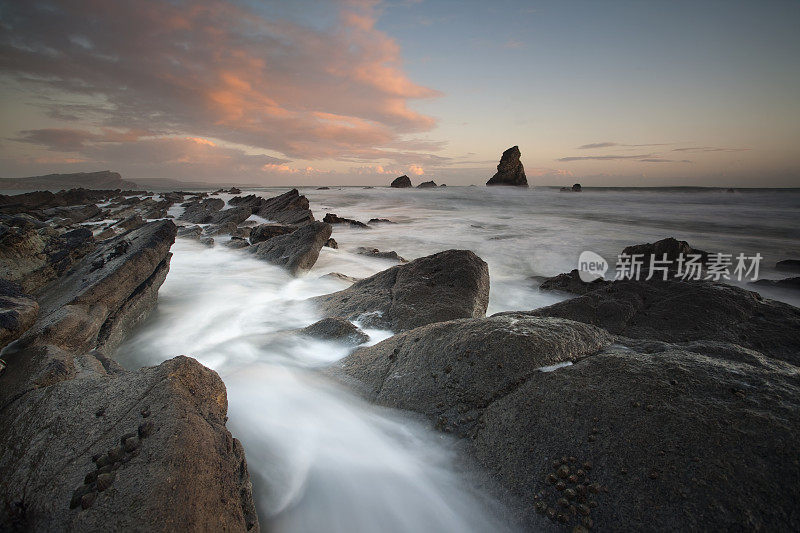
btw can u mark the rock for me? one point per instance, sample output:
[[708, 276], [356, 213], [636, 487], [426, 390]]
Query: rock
[[667, 431], [426, 185], [374, 252], [190, 232], [18, 312], [296, 251], [237, 243], [571, 283], [288, 208], [202, 212], [173, 197], [444, 286], [331, 243], [66, 216], [234, 215], [129, 223], [207, 241], [401, 182], [510, 170], [226, 228], [189, 472], [332, 218], [107, 233], [786, 283], [32, 256], [675, 311], [267, 231], [380, 221], [234, 190], [577, 187], [336, 329], [670, 246], [341, 277], [323, 188], [788, 265]]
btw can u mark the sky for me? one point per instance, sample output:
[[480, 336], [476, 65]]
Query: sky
[[357, 92]]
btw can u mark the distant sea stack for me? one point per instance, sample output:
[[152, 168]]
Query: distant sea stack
[[426, 185], [510, 170], [401, 183], [105, 179]]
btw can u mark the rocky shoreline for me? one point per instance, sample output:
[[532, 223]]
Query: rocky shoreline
[[661, 405]]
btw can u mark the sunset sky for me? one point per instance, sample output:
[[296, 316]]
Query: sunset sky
[[358, 92]]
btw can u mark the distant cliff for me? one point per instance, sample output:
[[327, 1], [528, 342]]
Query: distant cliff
[[105, 179]]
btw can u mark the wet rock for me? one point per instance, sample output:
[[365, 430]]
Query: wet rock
[[374, 252], [237, 243], [426, 185], [207, 241], [267, 231], [786, 283], [510, 170], [18, 312], [331, 243], [202, 212], [296, 251], [336, 329], [32, 256], [788, 265], [571, 283], [288, 208], [380, 221], [674, 311], [190, 232], [66, 216], [234, 215], [671, 247], [401, 182], [332, 218], [341, 277], [132, 222], [444, 286]]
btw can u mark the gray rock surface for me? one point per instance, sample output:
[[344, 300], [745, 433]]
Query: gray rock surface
[[427, 185], [677, 438], [510, 170], [234, 215], [288, 208], [296, 251], [202, 212], [18, 312], [333, 218], [443, 286], [671, 247], [674, 311], [401, 182], [267, 231], [571, 283], [786, 283], [374, 252]]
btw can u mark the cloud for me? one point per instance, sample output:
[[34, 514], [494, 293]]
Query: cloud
[[597, 145], [709, 149], [609, 144], [642, 158], [216, 69]]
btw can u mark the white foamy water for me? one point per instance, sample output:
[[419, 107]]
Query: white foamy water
[[320, 458]]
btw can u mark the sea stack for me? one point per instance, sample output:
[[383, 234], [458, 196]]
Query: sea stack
[[401, 183], [510, 170]]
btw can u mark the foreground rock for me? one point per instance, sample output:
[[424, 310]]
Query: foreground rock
[[571, 283], [510, 170], [296, 251], [401, 182], [444, 286], [267, 231], [674, 311], [687, 438], [145, 450], [670, 247], [18, 312]]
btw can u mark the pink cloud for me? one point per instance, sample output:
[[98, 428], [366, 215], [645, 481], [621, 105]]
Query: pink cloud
[[215, 69]]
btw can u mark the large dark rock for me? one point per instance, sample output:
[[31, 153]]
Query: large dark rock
[[296, 251], [234, 215], [679, 438], [333, 218], [670, 247], [674, 311], [427, 185], [267, 231], [374, 252], [202, 212], [786, 283], [18, 312], [171, 463], [444, 286], [32, 254], [401, 182], [288, 208], [510, 170]]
